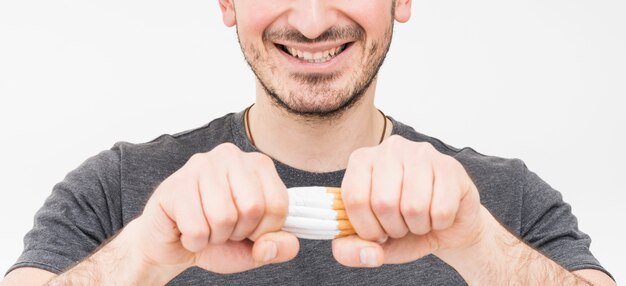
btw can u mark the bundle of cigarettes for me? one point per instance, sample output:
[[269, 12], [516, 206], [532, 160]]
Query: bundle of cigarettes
[[317, 213]]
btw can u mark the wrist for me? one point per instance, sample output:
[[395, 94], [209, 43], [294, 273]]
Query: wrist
[[500, 258], [478, 256], [118, 262], [139, 268]]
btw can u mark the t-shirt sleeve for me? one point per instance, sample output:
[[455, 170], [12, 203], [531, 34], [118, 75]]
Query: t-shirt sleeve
[[549, 225], [80, 214]]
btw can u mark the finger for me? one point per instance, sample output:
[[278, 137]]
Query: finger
[[417, 188], [446, 193], [218, 204], [407, 249], [470, 198], [275, 247], [352, 251], [239, 256], [159, 212], [248, 197], [186, 210], [275, 196], [356, 191], [386, 190]]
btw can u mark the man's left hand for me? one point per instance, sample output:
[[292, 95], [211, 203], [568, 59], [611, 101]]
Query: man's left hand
[[406, 200]]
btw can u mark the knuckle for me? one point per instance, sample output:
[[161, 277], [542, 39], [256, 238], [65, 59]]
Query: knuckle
[[276, 209], [383, 207], [395, 140], [356, 201], [451, 166], [360, 155], [413, 209], [429, 147], [253, 210], [198, 159], [449, 162], [261, 159], [226, 220], [426, 148], [227, 149], [170, 183], [441, 214]]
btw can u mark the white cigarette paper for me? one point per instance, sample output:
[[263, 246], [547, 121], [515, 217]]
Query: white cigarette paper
[[311, 223], [311, 202], [315, 236], [311, 192], [312, 232], [317, 213]]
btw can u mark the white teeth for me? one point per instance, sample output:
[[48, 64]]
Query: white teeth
[[317, 57]]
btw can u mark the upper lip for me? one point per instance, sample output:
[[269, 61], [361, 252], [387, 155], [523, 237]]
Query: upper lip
[[313, 47]]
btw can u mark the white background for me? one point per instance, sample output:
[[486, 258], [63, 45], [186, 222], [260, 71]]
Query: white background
[[543, 81]]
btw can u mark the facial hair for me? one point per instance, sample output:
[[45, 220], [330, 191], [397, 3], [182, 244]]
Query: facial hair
[[315, 98]]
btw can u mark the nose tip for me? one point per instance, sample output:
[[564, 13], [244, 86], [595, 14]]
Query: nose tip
[[312, 17]]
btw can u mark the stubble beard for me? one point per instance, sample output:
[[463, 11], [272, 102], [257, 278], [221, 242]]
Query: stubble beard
[[314, 98]]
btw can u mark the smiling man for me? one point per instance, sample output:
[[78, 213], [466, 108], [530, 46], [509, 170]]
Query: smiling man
[[424, 213]]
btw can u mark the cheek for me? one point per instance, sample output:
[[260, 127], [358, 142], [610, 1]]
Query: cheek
[[254, 16], [374, 16]]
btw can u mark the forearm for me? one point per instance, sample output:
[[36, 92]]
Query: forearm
[[116, 263], [500, 258]]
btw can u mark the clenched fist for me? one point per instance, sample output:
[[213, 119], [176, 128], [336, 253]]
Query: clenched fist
[[222, 211], [408, 194]]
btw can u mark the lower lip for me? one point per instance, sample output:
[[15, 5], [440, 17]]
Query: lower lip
[[305, 66]]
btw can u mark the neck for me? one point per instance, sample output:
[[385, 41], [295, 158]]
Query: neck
[[319, 144]]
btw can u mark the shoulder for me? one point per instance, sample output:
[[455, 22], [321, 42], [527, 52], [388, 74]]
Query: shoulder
[[192, 141], [165, 150]]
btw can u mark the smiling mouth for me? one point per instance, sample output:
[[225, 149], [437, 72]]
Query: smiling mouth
[[314, 57]]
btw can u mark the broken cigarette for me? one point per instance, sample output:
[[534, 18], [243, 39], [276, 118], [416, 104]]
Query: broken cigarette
[[317, 213]]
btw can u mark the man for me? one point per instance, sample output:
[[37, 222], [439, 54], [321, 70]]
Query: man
[[207, 206]]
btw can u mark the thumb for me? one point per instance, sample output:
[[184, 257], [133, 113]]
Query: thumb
[[353, 251], [275, 247]]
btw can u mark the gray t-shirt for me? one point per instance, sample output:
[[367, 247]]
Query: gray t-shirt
[[108, 190]]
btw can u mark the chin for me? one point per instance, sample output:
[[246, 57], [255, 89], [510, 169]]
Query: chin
[[315, 106]]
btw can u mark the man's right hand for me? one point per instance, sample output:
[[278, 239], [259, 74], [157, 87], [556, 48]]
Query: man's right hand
[[222, 211]]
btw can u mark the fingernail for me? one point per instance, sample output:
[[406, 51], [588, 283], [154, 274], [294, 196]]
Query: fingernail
[[383, 239], [368, 256], [270, 251]]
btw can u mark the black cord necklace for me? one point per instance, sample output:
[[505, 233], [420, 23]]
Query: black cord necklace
[[247, 119]]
